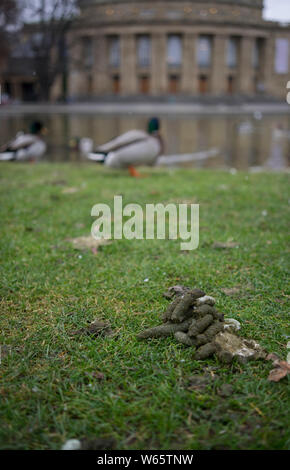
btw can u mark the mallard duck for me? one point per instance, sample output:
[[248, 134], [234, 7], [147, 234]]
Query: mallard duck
[[133, 148], [25, 147]]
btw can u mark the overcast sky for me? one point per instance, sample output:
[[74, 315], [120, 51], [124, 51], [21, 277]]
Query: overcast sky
[[278, 10]]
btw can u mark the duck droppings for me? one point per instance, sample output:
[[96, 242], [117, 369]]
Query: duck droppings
[[194, 322]]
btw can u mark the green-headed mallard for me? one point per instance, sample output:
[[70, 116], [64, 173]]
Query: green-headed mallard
[[133, 148]]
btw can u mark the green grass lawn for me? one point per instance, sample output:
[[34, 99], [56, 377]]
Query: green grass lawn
[[55, 386]]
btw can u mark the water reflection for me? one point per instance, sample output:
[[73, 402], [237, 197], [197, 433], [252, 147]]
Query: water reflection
[[243, 141]]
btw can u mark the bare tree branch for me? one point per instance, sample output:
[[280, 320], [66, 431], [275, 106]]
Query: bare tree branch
[[8, 17], [49, 22]]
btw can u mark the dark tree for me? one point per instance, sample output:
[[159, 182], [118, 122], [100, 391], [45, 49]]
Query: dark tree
[[8, 18], [51, 22]]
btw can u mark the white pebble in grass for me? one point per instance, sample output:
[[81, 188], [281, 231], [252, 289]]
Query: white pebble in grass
[[72, 444], [206, 299], [264, 213], [232, 323], [80, 256]]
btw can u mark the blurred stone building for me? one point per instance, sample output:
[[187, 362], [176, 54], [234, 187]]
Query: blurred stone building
[[176, 47]]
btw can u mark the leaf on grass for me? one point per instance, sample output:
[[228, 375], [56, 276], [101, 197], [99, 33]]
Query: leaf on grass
[[277, 374], [88, 243], [273, 357], [96, 328], [231, 291], [71, 190], [282, 368]]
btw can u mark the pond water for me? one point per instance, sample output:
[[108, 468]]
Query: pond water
[[243, 141]]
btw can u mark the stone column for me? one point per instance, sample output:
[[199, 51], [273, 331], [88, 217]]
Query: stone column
[[218, 75], [245, 68], [267, 65], [159, 66], [76, 75], [101, 83], [128, 65], [189, 81]]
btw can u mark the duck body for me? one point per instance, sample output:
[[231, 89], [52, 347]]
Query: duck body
[[24, 147], [133, 148]]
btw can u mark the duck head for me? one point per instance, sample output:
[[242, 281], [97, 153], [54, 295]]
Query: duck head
[[153, 125], [37, 128]]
